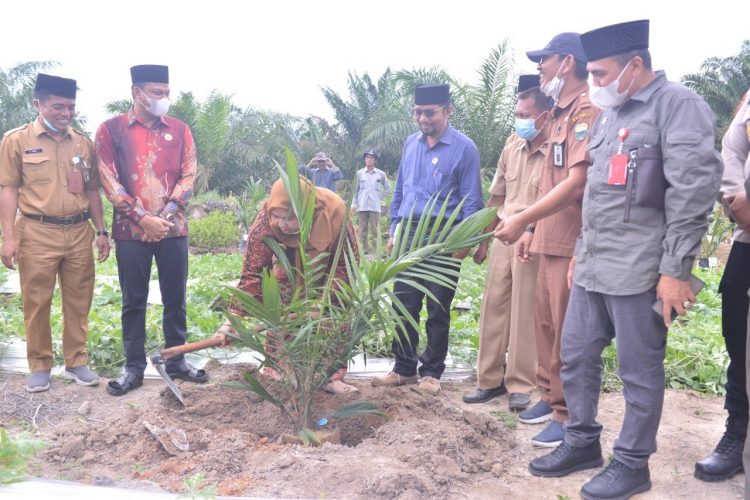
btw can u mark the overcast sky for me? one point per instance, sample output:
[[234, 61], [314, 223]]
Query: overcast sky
[[276, 55]]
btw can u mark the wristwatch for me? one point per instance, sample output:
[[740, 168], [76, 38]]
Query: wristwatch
[[104, 232]]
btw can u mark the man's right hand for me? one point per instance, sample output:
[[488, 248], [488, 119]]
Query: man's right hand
[[9, 253], [154, 228], [389, 245], [571, 268], [739, 208]]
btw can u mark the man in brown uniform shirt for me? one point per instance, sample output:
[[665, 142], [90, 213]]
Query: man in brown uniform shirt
[[562, 68], [506, 318], [48, 171]]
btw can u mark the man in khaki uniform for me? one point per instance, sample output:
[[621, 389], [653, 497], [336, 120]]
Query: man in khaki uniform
[[506, 318], [48, 172], [562, 68]]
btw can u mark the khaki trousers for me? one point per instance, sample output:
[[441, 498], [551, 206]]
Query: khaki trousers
[[506, 322], [367, 219], [46, 251], [551, 302]]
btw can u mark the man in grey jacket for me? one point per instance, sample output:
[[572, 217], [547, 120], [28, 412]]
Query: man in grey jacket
[[637, 245]]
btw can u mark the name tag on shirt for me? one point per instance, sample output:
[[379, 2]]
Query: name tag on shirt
[[618, 170], [558, 158]]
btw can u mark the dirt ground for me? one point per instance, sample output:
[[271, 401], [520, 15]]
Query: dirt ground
[[429, 447]]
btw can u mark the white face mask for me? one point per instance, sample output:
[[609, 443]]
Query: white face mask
[[553, 87], [608, 96], [157, 107]]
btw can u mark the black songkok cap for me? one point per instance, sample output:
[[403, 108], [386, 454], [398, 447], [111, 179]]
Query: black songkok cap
[[55, 85], [526, 82], [615, 39], [432, 93], [152, 73]]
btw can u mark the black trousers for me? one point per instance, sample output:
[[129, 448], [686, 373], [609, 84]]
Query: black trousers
[[438, 325], [734, 307], [134, 268]]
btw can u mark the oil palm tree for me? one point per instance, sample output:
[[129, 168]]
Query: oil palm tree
[[722, 81]]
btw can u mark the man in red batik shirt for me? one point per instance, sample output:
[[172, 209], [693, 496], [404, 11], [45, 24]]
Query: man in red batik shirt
[[147, 167]]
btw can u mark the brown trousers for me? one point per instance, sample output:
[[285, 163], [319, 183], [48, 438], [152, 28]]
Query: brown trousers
[[506, 322], [551, 302], [367, 219], [46, 251]]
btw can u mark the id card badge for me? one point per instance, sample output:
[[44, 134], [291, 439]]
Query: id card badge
[[618, 170], [558, 159], [75, 181]]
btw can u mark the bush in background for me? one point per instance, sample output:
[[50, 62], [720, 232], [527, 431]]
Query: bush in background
[[218, 229]]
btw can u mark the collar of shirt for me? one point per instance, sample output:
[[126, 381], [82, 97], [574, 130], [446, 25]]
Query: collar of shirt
[[523, 144], [446, 138], [133, 118], [40, 129], [645, 94], [581, 89]]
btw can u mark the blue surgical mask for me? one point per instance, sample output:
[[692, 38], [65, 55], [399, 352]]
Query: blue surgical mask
[[526, 128], [51, 127]]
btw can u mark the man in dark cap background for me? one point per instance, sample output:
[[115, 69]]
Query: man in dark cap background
[[371, 188], [506, 317], [563, 76], [322, 171], [639, 238], [148, 162], [437, 161], [48, 171]]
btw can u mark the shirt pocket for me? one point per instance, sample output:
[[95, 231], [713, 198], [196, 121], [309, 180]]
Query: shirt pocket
[[37, 170]]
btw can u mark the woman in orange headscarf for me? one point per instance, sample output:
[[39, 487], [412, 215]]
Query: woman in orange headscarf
[[277, 220]]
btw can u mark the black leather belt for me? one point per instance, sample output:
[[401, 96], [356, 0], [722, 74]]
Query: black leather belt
[[60, 221]]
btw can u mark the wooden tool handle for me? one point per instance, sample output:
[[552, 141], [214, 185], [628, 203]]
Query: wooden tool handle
[[166, 354]]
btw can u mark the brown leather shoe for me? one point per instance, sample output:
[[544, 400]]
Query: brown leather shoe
[[392, 379], [429, 385]]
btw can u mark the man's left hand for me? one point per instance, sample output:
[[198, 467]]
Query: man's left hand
[[509, 230], [674, 294], [102, 247]]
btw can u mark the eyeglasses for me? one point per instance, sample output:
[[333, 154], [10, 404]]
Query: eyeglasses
[[428, 113]]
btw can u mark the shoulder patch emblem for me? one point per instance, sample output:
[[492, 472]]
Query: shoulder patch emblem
[[582, 131]]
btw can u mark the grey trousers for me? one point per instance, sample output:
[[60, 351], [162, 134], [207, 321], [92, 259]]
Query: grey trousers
[[591, 322]]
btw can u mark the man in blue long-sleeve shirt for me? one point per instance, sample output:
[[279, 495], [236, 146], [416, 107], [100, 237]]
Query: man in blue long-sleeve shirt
[[437, 162]]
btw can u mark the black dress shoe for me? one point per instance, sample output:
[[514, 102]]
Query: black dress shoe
[[518, 401], [184, 371], [484, 395], [126, 383], [566, 459], [617, 481]]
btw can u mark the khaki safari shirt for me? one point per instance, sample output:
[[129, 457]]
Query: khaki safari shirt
[[39, 166], [570, 127], [517, 176], [626, 258], [735, 151]]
